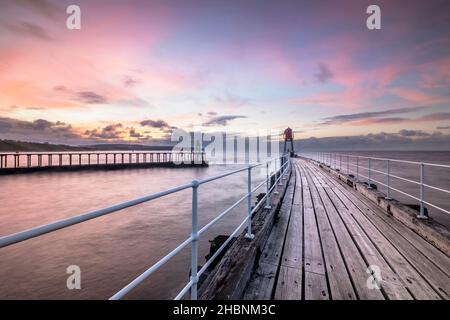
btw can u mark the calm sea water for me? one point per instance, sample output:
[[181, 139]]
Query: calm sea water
[[112, 250]]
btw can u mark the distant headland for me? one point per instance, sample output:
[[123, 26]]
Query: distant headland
[[22, 146]]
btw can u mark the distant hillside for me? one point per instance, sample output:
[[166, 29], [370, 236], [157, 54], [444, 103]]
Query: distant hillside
[[21, 146], [13, 146], [130, 147]]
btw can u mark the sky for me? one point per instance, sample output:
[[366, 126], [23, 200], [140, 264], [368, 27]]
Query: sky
[[137, 70]]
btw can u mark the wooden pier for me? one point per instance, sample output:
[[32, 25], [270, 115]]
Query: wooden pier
[[329, 241], [25, 162]]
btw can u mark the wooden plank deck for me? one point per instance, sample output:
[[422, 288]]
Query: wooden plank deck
[[326, 237]]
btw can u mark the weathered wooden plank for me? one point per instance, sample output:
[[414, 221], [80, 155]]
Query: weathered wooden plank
[[314, 264], [313, 249], [376, 231], [391, 283], [230, 277], [298, 201], [262, 283], [273, 249], [292, 254], [427, 273], [411, 279], [340, 283], [289, 281], [315, 286], [354, 261], [289, 285], [439, 258]]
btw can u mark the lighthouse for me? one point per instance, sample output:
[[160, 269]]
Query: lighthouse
[[288, 137]]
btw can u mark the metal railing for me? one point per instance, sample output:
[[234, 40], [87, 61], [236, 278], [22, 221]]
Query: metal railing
[[279, 175], [335, 160]]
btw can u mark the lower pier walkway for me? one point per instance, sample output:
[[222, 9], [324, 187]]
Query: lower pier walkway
[[331, 242]]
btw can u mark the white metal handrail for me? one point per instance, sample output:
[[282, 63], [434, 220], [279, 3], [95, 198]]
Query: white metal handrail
[[334, 160], [195, 233]]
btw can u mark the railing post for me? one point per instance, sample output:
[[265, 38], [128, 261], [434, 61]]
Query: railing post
[[194, 234], [369, 183], [388, 196], [340, 162], [267, 187], [357, 168], [275, 181], [280, 172], [249, 235], [422, 208], [348, 165]]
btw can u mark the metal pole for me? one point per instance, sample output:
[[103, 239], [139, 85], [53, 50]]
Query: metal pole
[[194, 251], [286, 161], [249, 235], [348, 164], [280, 171], [422, 208], [267, 187], [370, 187], [276, 174], [388, 180], [357, 168]]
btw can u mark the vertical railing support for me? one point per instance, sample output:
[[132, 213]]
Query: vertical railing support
[[422, 208], [267, 187], [357, 168], [275, 176], [286, 166], [194, 234], [388, 196], [348, 165], [280, 172], [369, 182], [249, 235]]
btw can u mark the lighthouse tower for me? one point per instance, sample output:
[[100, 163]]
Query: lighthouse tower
[[289, 137]]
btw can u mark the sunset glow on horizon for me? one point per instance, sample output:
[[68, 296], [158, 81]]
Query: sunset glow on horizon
[[138, 69]]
